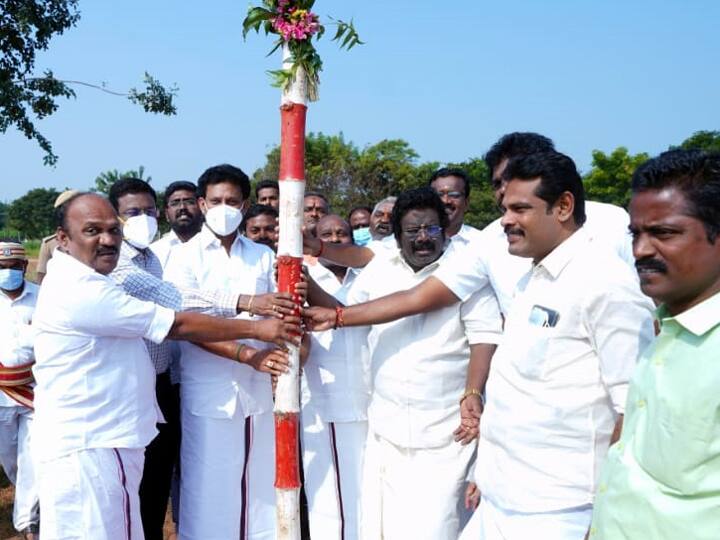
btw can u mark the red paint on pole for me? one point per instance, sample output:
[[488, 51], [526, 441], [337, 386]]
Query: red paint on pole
[[287, 463], [289, 275], [292, 141]]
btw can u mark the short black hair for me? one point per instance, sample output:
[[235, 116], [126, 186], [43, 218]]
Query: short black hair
[[696, 174], [452, 171], [358, 208], [317, 194], [264, 184], [181, 185], [417, 199], [557, 173], [513, 145], [61, 211], [224, 173], [257, 210], [129, 185]]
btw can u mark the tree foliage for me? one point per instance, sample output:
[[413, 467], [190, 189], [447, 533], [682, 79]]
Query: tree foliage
[[350, 176], [703, 140], [609, 179], [26, 97], [32, 215], [106, 179]]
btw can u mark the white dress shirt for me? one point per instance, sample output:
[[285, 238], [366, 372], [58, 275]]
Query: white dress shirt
[[213, 386], [419, 363], [559, 378], [488, 259], [164, 245], [17, 335], [95, 381], [336, 374]]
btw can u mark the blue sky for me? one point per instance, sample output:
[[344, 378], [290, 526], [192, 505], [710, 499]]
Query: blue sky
[[449, 77]]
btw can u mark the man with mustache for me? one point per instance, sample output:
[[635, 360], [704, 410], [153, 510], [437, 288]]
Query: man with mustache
[[558, 381], [260, 225], [315, 206], [421, 368], [183, 215], [267, 193], [662, 479], [95, 404], [381, 219]]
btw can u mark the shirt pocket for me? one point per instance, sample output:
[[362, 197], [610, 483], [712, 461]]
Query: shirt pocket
[[530, 353]]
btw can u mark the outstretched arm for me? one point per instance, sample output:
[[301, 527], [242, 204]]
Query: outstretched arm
[[429, 295]]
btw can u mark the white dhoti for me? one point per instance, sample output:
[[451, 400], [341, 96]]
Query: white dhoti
[[332, 462], [16, 460], [226, 479], [490, 522], [92, 495], [412, 492]]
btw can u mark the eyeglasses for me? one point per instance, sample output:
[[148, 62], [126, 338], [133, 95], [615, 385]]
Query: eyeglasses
[[451, 194], [433, 231], [134, 212], [178, 203]]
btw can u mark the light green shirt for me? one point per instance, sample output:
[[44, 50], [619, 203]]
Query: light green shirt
[[661, 481]]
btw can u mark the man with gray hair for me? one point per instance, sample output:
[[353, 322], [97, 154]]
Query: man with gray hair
[[381, 218]]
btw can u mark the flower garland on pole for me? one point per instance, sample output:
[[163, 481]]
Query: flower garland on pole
[[296, 26]]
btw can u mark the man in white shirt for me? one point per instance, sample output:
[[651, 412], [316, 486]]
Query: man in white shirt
[[183, 215], [334, 406], [95, 406], [227, 449], [17, 303], [414, 467]]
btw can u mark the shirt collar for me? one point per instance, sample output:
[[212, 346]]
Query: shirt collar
[[397, 258], [130, 251], [699, 319], [555, 261], [208, 238], [70, 264], [29, 289]]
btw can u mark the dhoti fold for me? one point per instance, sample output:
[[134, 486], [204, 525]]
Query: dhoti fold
[[332, 460], [226, 477], [412, 492], [91, 495]]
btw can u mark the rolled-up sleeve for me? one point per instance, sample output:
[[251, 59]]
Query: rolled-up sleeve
[[480, 315], [462, 270], [620, 322]]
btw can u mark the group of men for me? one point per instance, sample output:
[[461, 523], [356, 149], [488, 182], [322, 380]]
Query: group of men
[[513, 370]]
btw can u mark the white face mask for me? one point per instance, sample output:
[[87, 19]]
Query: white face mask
[[140, 230], [223, 219]]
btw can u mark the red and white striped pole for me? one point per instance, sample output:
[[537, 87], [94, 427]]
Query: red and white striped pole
[[290, 255]]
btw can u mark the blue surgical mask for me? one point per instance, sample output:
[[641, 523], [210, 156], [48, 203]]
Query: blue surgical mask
[[11, 279], [361, 236]]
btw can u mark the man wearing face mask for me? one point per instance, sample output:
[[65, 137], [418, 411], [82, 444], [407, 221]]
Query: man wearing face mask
[[140, 273], [359, 220], [226, 486], [17, 304]]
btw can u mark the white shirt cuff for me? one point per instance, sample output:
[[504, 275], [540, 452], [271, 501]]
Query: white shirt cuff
[[161, 324]]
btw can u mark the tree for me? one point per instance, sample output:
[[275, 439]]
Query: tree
[[3, 214], [483, 208], [106, 179], [25, 97], [704, 140], [32, 215], [609, 179]]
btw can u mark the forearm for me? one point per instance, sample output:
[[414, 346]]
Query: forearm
[[317, 296], [198, 327], [479, 366], [348, 255], [228, 349], [615, 437], [429, 295]]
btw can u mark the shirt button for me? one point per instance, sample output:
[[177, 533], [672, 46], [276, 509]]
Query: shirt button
[[659, 361], [602, 488], [593, 530], [640, 403]]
